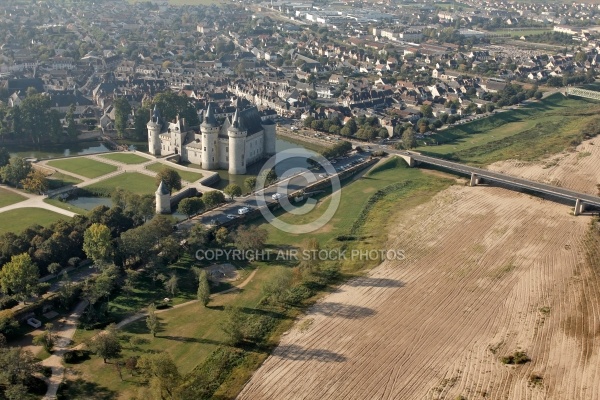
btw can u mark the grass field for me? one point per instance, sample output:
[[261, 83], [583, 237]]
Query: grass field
[[126, 158], [528, 133], [58, 180], [8, 197], [131, 181], [185, 175], [66, 206], [19, 219], [192, 340], [83, 166]]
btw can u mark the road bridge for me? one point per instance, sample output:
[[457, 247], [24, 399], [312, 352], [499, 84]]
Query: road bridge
[[588, 94], [477, 175]]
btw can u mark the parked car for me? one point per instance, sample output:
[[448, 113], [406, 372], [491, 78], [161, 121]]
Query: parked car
[[276, 196], [243, 210], [231, 216]]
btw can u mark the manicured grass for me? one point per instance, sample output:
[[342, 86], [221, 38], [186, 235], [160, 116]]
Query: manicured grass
[[21, 218], [132, 181], [126, 158], [83, 166], [528, 133], [185, 175], [8, 197], [58, 180], [66, 206]]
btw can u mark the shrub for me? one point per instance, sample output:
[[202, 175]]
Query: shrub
[[297, 294], [76, 356], [7, 302], [517, 358]]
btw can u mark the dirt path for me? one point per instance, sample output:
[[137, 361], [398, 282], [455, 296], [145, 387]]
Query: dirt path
[[63, 334], [488, 272]]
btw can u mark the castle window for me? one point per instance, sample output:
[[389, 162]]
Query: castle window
[[226, 149], [204, 148]]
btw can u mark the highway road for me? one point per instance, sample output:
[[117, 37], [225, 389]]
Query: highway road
[[285, 186]]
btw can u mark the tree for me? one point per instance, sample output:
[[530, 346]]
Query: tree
[[203, 288], [15, 171], [222, 236], [46, 339], [152, 321], [191, 206], [269, 176], [170, 177], [122, 112], [106, 344], [250, 238], [233, 324], [408, 139], [172, 105], [250, 183], [18, 367], [232, 190], [163, 375], [70, 120], [66, 290], [213, 198], [198, 236], [35, 182], [4, 157], [172, 285], [538, 95], [97, 242], [427, 111], [19, 276]]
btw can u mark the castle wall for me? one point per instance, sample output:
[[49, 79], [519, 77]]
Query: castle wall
[[254, 147]]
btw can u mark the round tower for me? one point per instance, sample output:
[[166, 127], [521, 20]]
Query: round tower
[[154, 125], [237, 145], [210, 137], [163, 199], [270, 137]]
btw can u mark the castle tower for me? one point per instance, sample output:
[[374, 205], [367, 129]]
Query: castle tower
[[163, 199], [154, 125], [210, 134], [270, 137], [237, 145]]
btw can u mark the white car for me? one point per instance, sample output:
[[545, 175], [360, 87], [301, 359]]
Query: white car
[[231, 216], [324, 175], [243, 210], [276, 196]]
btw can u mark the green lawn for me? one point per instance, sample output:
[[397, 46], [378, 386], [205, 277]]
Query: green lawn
[[126, 158], [83, 166], [66, 206], [8, 197], [185, 175], [131, 181], [58, 180], [528, 133], [21, 218]]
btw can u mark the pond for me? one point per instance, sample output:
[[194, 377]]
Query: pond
[[89, 203], [72, 149]]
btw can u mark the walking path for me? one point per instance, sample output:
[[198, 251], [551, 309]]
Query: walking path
[[33, 201], [63, 335], [37, 201]]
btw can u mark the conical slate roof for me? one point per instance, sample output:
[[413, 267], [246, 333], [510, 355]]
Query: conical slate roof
[[162, 189], [209, 116], [236, 122]]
